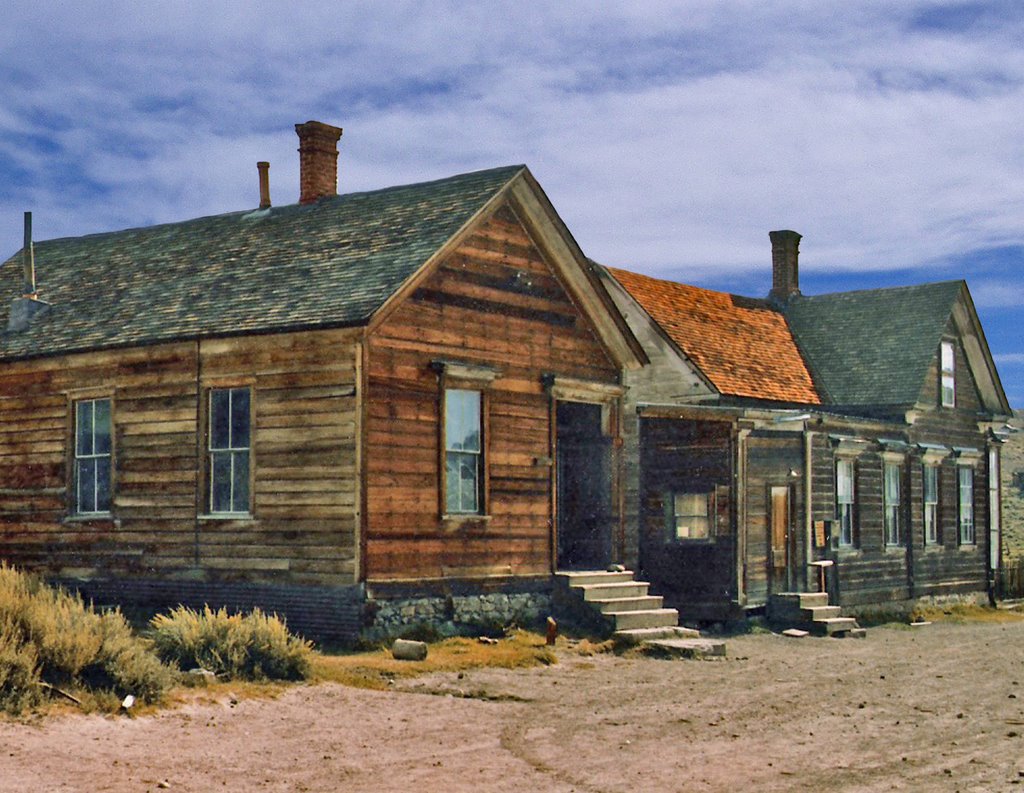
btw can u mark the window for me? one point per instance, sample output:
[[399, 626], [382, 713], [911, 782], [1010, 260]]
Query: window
[[844, 501], [891, 503], [948, 374], [966, 516], [931, 504], [229, 431], [463, 451], [691, 516], [92, 457]]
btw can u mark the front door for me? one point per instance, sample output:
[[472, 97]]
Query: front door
[[583, 471], [780, 525]]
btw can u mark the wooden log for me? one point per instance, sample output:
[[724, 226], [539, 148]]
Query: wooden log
[[407, 650]]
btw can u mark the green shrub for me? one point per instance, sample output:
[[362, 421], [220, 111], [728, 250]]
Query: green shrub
[[253, 646], [49, 635]]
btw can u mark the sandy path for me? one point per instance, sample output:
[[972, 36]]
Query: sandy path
[[926, 709]]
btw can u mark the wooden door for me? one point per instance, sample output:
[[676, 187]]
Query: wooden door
[[583, 471], [780, 525]]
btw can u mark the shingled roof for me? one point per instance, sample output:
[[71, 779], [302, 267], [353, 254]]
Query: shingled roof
[[332, 262], [873, 346], [742, 345]]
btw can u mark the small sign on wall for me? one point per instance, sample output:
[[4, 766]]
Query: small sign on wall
[[820, 533]]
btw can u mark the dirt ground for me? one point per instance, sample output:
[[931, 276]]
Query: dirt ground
[[934, 708]]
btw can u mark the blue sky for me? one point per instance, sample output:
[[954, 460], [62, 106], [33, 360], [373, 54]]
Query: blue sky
[[671, 136]]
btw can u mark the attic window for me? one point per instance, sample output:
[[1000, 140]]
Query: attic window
[[948, 374]]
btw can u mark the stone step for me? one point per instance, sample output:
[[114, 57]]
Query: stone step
[[644, 603], [635, 636], [686, 648], [647, 618], [791, 613], [832, 626], [577, 577], [618, 589], [804, 600], [818, 613]]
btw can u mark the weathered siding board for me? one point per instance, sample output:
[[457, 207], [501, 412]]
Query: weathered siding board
[[872, 572], [494, 302], [681, 456], [303, 524], [304, 460], [769, 459]]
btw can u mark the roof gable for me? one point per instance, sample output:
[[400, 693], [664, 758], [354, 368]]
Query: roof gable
[[873, 347], [741, 345], [333, 262]]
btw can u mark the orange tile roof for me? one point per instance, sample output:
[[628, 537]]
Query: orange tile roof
[[742, 345]]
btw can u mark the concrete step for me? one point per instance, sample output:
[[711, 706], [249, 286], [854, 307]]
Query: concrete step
[[644, 603], [611, 591], [686, 648], [633, 636], [578, 577], [647, 618]]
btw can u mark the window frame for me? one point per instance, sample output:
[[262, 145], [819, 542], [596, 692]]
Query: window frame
[[845, 511], [78, 457], [233, 451], [710, 517], [478, 454], [966, 520], [930, 507], [892, 504], [947, 374]]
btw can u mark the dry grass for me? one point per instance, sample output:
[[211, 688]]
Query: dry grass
[[963, 612], [375, 670]]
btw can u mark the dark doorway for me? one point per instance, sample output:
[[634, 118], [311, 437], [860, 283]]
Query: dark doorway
[[583, 454]]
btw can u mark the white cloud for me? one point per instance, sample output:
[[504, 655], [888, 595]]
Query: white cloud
[[670, 135]]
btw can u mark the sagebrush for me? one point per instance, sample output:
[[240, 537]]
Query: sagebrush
[[252, 646], [49, 636]]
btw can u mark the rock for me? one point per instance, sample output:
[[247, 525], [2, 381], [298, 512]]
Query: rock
[[200, 677], [408, 650]]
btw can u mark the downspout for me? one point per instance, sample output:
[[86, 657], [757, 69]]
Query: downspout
[[808, 508], [199, 466], [905, 508], [741, 515]]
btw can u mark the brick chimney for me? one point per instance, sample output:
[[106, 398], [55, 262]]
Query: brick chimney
[[785, 269], [318, 160]]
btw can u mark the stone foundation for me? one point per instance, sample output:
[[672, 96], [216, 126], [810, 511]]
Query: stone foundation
[[453, 614]]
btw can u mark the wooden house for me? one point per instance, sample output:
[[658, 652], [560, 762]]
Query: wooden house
[[769, 436], [353, 410]]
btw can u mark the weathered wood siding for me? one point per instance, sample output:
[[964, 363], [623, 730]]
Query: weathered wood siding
[[871, 572], [303, 452], [769, 459], [687, 456], [495, 302]]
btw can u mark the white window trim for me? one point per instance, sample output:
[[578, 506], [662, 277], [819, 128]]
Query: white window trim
[[77, 457], [850, 505], [234, 451], [934, 539], [971, 526], [892, 517], [479, 454], [947, 374]]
